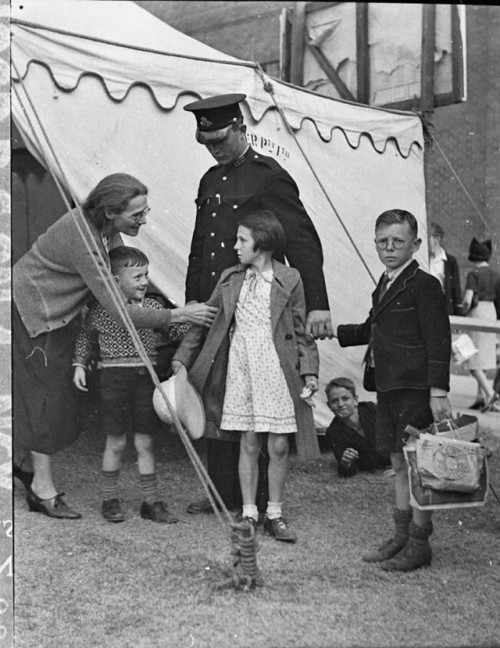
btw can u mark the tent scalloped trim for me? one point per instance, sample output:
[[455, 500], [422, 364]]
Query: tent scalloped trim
[[353, 140]]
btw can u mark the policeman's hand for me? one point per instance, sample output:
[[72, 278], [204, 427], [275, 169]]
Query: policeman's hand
[[319, 324], [440, 407], [80, 379], [195, 313], [349, 455]]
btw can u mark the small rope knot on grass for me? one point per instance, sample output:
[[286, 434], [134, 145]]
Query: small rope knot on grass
[[245, 572]]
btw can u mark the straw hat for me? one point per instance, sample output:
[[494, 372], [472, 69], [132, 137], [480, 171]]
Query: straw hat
[[184, 400]]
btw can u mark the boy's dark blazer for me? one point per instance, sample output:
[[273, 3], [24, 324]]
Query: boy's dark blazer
[[409, 332]]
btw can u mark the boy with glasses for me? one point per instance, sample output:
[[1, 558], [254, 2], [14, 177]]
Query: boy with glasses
[[408, 365]]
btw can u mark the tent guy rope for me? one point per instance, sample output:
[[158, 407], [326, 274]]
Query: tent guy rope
[[105, 274]]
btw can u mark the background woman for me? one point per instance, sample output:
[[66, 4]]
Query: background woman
[[52, 283], [483, 282]]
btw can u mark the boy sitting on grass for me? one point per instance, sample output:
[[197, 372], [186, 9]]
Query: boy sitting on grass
[[408, 365], [351, 434], [126, 386]]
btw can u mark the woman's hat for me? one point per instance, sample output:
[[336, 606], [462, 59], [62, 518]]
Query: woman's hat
[[184, 400], [479, 251]]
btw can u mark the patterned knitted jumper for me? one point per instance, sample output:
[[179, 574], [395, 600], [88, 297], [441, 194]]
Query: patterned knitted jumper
[[100, 332]]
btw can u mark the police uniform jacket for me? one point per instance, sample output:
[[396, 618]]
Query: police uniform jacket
[[409, 331], [229, 192]]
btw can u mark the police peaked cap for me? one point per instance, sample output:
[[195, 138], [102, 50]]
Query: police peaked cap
[[217, 112]]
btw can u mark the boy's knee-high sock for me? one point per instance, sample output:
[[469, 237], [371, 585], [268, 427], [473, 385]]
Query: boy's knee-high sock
[[110, 484], [149, 487]]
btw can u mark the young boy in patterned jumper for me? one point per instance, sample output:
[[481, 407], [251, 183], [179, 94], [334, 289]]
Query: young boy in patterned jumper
[[126, 386]]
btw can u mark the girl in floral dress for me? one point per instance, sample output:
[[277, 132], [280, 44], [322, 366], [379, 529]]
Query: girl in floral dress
[[269, 362]]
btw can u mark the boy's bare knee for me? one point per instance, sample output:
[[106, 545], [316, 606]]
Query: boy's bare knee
[[116, 444], [398, 461], [143, 442]]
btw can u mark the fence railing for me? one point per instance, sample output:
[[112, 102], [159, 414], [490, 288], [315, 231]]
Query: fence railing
[[459, 323]]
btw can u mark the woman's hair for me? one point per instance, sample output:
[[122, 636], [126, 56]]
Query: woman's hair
[[267, 232], [479, 251], [395, 217], [126, 257], [113, 194], [345, 383]]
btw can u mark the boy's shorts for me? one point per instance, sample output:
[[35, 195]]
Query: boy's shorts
[[395, 410], [127, 400]]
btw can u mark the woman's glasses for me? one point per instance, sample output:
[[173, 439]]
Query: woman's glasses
[[138, 216]]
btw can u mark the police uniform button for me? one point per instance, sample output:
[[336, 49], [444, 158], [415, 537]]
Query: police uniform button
[[212, 254], [212, 233], [288, 336], [224, 178], [235, 206], [256, 156], [222, 244], [212, 274], [214, 213]]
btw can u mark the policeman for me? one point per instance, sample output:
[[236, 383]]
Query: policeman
[[241, 182]]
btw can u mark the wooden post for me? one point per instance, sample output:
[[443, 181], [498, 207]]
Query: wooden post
[[362, 53], [298, 39], [427, 70]]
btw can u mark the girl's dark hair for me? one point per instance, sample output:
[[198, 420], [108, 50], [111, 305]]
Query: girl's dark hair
[[113, 194], [397, 216], [126, 257], [342, 382], [267, 231]]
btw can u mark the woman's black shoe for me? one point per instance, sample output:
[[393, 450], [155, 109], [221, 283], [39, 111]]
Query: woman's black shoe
[[53, 507], [24, 476], [477, 405]]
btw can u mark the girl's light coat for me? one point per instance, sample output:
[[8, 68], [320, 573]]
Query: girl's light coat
[[205, 353]]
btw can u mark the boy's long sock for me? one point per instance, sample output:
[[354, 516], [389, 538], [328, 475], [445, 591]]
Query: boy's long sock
[[273, 510], [149, 487], [110, 484]]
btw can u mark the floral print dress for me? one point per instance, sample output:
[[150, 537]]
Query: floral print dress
[[257, 396]]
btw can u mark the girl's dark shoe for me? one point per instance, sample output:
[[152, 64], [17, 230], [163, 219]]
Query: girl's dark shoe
[[477, 405], [24, 476], [54, 507]]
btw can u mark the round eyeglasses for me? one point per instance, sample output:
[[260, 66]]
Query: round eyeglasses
[[396, 243], [138, 216]]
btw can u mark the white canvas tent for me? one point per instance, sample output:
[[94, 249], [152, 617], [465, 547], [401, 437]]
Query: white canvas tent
[[107, 82]]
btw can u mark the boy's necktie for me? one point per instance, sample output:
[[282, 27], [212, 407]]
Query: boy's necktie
[[383, 287]]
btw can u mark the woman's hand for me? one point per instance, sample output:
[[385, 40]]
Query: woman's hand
[[195, 313], [80, 378]]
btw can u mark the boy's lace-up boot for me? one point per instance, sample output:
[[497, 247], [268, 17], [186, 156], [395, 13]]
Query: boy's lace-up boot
[[393, 546], [416, 553]]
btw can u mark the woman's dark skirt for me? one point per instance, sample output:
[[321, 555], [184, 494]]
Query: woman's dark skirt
[[46, 405]]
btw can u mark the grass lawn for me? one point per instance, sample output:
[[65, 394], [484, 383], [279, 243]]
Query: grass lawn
[[91, 584]]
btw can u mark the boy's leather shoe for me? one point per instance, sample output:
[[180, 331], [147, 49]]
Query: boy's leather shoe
[[157, 512], [112, 511], [386, 551], [54, 507], [279, 529]]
